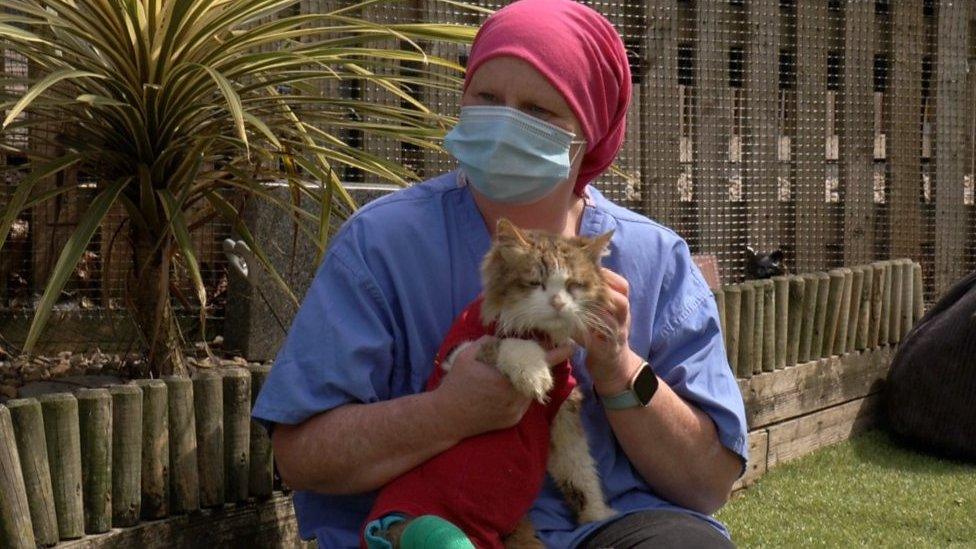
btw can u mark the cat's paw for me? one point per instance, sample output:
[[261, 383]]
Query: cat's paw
[[536, 384], [524, 363], [596, 512]]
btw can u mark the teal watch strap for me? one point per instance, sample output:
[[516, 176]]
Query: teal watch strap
[[621, 401]]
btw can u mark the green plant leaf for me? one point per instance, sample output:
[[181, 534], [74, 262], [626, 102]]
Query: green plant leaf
[[16, 33], [92, 99], [39, 88], [177, 222], [24, 188], [70, 254], [233, 101], [197, 103]]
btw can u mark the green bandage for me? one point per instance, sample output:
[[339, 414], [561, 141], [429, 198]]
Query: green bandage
[[432, 532]]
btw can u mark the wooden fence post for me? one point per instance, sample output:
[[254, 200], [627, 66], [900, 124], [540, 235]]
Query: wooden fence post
[[950, 141], [820, 327], [867, 308], [184, 478], [894, 320], [766, 213], [810, 300], [835, 296], [95, 416], [856, 144], [733, 311], [782, 319], [262, 460], [906, 139], [841, 335], [126, 454], [747, 327], [857, 289], [713, 114], [661, 113], [907, 297], [769, 326], [208, 401], [64, 455], [155, 448], [797, 290], [877, 304], [812, 218], [15, 518], [759, 328], [884, 337], [237, 433], [918, 297], [28, 421]]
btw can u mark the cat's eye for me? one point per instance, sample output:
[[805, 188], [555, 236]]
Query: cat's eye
[[574, 287], [536, 284]]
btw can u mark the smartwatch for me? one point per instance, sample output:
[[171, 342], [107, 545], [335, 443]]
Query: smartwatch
[[639, 394]]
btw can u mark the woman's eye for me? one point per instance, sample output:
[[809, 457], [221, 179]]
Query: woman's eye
[[537, 111], [489, 97]]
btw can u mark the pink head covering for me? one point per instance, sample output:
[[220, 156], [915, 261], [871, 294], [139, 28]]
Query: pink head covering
[[581, 54]]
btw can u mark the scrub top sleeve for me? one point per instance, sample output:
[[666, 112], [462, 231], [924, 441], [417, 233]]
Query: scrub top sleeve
[[688, 351], [339, 349]]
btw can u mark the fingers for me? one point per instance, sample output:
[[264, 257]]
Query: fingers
[[471, 350], [560, 354], [615, 281]]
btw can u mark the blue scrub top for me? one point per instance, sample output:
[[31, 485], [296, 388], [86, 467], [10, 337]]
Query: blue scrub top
[[401, 269]]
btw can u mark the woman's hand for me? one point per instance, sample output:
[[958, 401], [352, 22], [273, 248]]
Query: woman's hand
[[478, 398], [610, 361]]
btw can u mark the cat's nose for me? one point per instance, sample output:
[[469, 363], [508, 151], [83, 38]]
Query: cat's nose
[[557, 302]]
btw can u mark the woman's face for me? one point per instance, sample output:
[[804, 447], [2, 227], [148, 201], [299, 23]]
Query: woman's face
[[511, 82]]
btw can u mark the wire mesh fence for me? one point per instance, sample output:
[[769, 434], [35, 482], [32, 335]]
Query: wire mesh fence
[[839, 131]]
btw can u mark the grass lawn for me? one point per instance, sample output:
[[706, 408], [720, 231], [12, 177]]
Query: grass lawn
[[867, 491]]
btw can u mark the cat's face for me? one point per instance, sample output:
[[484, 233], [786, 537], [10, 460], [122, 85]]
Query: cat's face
[[535, 281]]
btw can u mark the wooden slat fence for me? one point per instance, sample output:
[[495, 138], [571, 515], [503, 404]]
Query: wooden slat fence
[[841, 132]]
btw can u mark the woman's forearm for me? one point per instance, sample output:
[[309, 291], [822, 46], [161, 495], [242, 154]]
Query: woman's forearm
[[360, 447], [675, 448]]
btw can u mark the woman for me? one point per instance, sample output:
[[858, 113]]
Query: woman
[[346, 394]]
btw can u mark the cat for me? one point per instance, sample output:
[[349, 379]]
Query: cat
[[762, 265], [539, 291]]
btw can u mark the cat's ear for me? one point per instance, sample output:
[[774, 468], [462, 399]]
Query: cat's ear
[[776, 256], [507, 232], [597, 247]]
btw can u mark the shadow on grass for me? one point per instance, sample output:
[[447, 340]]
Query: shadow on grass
[[883, 448]]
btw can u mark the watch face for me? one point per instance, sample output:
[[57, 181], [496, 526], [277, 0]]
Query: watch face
[[645, 384]]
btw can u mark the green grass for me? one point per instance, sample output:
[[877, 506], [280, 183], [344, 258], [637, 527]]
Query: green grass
[[867, 491]]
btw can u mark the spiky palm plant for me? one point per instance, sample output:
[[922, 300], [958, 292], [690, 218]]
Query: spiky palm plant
[[173, 106]]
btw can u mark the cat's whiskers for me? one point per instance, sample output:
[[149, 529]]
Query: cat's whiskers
[[594, 320], [536, 317]]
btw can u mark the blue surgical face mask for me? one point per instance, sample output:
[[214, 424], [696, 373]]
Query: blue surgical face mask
[[509, 156]]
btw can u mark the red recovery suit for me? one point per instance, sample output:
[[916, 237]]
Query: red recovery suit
[[485, 484]]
